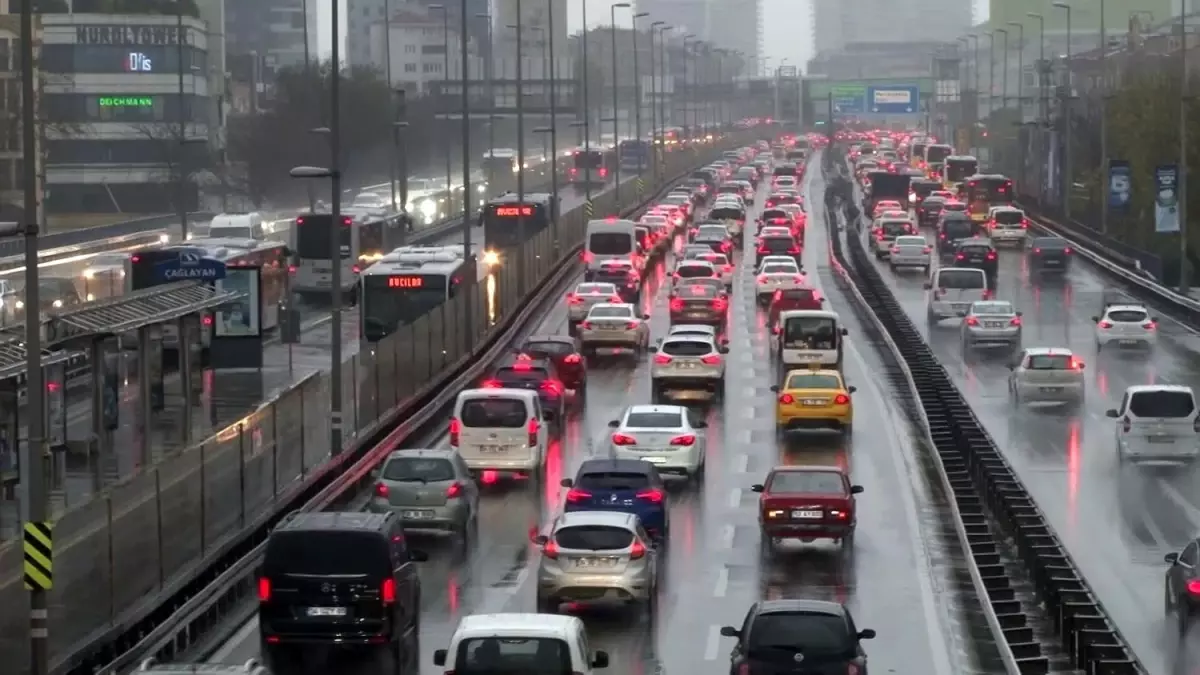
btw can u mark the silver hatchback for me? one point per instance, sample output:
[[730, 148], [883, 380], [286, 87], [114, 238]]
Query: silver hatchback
[[596, 556], [431, 490], [991, 324]]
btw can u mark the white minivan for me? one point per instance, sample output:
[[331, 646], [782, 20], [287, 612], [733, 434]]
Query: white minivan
[[953, 290], [810, 337], [1157, 423], [502, 430], [609, 239], [549, 644]]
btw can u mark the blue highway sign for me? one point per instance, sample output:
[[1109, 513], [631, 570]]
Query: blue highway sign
[[849, 99], [894, 99]]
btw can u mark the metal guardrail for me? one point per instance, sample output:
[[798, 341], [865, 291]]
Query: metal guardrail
[[125, 562], [15, 247], [994, 508]]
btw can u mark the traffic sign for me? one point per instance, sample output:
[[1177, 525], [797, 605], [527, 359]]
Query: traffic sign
[[39, 555], [848, 99], [894, 99]]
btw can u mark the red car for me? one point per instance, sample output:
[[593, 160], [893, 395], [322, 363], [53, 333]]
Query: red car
[[560, 349], [806, 503], [792, 298]]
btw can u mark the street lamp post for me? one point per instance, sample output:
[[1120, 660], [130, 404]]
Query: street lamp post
[[1041, 63], [616, 118], [520, 84], [991, 36], [1004, 71], [491, 94], [387, 69], [1068, 182], [1182, 177], [446, 80], [689, 99], [587, 112], [1020, 63], [637, 88], [656, 121], [553, 121], [465, 130]]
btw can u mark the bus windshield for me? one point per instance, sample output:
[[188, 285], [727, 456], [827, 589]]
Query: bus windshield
[[958, 170], [313, 236], [935, 154], [500, 227], [389, 302]]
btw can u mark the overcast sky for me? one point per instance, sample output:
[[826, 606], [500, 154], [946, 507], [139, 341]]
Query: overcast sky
[[788, 34]]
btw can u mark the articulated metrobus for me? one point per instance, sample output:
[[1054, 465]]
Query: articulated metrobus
[[981, 192], [958, 169], [410, 282], [359, 245], [501, 227]]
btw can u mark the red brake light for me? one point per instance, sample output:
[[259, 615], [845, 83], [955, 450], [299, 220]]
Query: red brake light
[[492, 384], [264, 589], [632, 325], [576, 495], [960, 257], [1024, 223], [727, 268], [653, 495], [719, 304], [972, 321], [662, 359], [686, 439], [637, 551], [553, 386], [550, 550], [616, 299], [603, 172], [573, 358], [1076, 364], [136, 259], [676, 305], [381, 490], [1067, 250], [1193, 587], [795, 250], [895, 250], [1106, 324], [455, 430], [841, 399], [929, 249], [711, 360], [1037, 250], [586, 325], [991, 256], [454, 491], [533, 427], [763, 249], [355, 269], [574, 299], [623, 439], [1149, 325], [387, 592], [1015, 321], [522, 366], [787, 399]]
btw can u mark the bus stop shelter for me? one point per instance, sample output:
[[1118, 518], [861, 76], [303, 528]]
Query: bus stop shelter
[[13, 362]]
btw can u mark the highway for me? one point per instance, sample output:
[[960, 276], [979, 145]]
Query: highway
[[899, 580], [1115, 522]]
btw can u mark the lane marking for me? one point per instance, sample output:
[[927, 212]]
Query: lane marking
[[235, 642], [741, 464], [713, 644], [722, 585], [735, 498], [727, 532]]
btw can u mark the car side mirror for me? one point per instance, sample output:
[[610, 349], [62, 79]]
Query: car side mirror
[[439, 657], [645, 317], [1112, 412], [845, 331], [613, 424], [775, 388], [600, 660], [1095, 319], [928, 286], [653, 348], [730, 631], [866, 634], [418, 556], [758, 487], [1171, 558], [566, 482], [851, 389], [723, 349], [856, 489]]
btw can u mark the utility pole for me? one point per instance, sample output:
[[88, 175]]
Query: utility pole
[[387, 51], [616, 130], [637, 92], [1068, 182], [179, 163], [400, 151], [520, 155], [335, 240], [1182, 178], [553, 123], [32, 463], [587, 112], [1104, 170], [468, 310]]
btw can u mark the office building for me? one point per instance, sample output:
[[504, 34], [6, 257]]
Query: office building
[[728, 24], [419, 43], [12, 165], [274, 30], [120, 128], [837, 23], [362, 14], [534, 20]]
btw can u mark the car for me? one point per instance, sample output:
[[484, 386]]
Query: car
[[1126, 326], [586, 295], [500, 432], [797, 636], [1157, 423], [624, 485], [562, 351], [339, 580], [977, 253], [536, 374], [777, 245], [716, 238], [885, 232], [1049, 255], [681, 206], [930, 210], [671, 437], [952, 290], [775, 231], [519, 643], [1046, 374], [697, 303], [796, 211], [686, 366], [623, 276], [696, 268], [910, 250], [612, 325], [806, 503], [716, 285], [952, 227], [692, 330], [777, 198], [1181, 586], [431, 490], [723, 266], [991, 324], [1007, 225], [745, 189], [771, 259], [783, 181], [786, 300], [776, 276], [814, 399], [776, 216], [886, 205]]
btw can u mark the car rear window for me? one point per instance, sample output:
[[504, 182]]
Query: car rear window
[[954, 206], [992, 308], [654, 420], [813, 381], [693, 271], [512, 374], [594, 537], [1009, 217], [1161, 403], [326, 552], [778, 243], [549, 347], [775, 214], [976, 249], [610, 313], [1051, 243], [614, 480], [493, 412], [1127, 315], [487, 656], [610, 243], [814, 635], [418, 469], [697, 291], [726, 213], [961, 279], [686, 348], [779, 268], [596, 289], [799, 295], [895, 227], [820, 482], [1049, 362]]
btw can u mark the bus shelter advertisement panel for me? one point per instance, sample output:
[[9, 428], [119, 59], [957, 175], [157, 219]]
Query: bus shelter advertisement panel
[[241, 317]]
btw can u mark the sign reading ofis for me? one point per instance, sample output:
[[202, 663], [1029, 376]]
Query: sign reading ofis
[[126, 102]]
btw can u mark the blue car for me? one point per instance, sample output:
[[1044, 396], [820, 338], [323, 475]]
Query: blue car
[[625, 485]]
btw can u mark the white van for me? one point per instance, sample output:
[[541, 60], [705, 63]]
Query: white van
[[1157, 423], [810, 337], [609, 239], [953, 290], [235, 226], [500, 430], [549, 644]]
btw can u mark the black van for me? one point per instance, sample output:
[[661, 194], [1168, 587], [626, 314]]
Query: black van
[[340, 582], [954, 227]]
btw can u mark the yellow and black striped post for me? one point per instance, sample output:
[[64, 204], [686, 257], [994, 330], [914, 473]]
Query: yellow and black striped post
[[39, 556], [587, 209], [639, 186]]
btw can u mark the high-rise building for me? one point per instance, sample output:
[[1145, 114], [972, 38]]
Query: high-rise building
[[728, 24], [837, 23], [361, 15], [274, 30]]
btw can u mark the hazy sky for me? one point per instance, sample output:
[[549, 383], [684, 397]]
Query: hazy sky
[[788, 34]]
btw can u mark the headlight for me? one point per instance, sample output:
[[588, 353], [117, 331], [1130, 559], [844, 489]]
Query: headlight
[[57, 304], [20, 304], [428, 208], [91, 297], [491, 258], [481, 188], [89, 274], [166, 238]]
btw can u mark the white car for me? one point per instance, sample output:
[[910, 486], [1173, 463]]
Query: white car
[[685, 365], [587, 295], [910, 251], [723, 266], [666, 436], [1126, 326], [518, 638], [614, 325], [885, 232], [952, 290], [776, 276], [769, 259], [1157, 423], [1007, 225], [692, 330], [1046, 374]]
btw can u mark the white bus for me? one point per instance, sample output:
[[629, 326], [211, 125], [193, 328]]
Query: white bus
[[408, 283], [360, 245]]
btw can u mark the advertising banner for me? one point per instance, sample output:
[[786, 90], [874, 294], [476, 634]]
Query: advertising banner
[[240, 318], [1120, 186], [1166, 198]]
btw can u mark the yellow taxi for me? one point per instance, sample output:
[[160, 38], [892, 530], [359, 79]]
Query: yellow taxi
[[814, 399]]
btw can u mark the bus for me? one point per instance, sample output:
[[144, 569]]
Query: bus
[[916, 152], [499, 220], [273, 258], [589, 166], [634, 155], [499, 164], [936, 153], [983, 191], [410, 282], [958, 169], [360, 244]]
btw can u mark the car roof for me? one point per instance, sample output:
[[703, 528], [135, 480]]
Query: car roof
[[821, 313], [694, 262], [705, 328], [308, 521], [613, 304], [422, 453], [833, 372], [1049, 351], [1181, 388], [611, 464], [609, 518], [519, 624], [802, 605]]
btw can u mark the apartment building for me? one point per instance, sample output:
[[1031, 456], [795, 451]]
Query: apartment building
[[728, 24], [361, 15]]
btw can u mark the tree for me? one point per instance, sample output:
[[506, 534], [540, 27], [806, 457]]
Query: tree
[[187, 160]]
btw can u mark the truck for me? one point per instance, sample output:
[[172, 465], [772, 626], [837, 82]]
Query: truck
[[885, 185]]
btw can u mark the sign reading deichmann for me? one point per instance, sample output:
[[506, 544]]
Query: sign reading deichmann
[[39, 556]]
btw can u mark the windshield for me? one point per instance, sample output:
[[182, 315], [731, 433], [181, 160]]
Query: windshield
[[727, 213], [653, 420], [814, 635], [610, 313], [418, 470], [493, 412], [493, 656], [611, 243], [813, 381], [589, 160], [958, 170], [958, 228], [961, 279], [779, 268], [816, 482], [593, 538], [614, 480], [992, 308], [1162, 403], [1009, 217], [810, 332]]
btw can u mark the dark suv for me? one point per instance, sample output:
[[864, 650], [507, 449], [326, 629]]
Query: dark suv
[[340, 581]]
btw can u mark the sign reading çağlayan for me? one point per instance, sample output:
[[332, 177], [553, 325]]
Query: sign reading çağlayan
[[127, 35]]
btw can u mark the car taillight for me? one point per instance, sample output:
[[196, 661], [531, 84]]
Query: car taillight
[[960, 257], [1067, 250], [841, 399], [588, 257], [631, 325], [575, 495], [381, 490], [763, 249], [851, 669], [762, 279], [895, 250], [686, 439], [455, 430], [387, 592], [553, 387], [676, 305], [264, 589], [662, 359], [795, 250], [1149, 325], [653, 495], [586, 325], [574, 299], [711, 360], [719, 304], [533, 427], [972, 321], [787, 399], [454, 491], [987, 294], [1126, 425], [637, 550], [726, 246], [1015, 321], [623, 439], [727, 268], [1106, 324], [991, 256], [1076, 364], [929, 249], [1024, 223], [355, 269], [573, 358], [550, 550], [1037, 250], [491, 384]]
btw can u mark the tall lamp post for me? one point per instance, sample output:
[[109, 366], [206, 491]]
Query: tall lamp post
[[689, 64], [1041, 80], [387, 69], [657, 141], [446, 80], [1004, 70], [637, 88], [465, 130], [612, 13], [662, 110], [553, 119], [1020, 62], [1068, 182], [587, 111], [520, 85], [491, 93], [1182, 177]]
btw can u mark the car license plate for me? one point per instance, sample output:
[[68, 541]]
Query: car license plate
[[993, 324], [1128, 343], [807, 515], [595, 563], [418, 515], [610, 327], [813, 401], [1051, 390], [326, 611], [491, 449], [1160, 439], [655, 460], [687, 366]]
